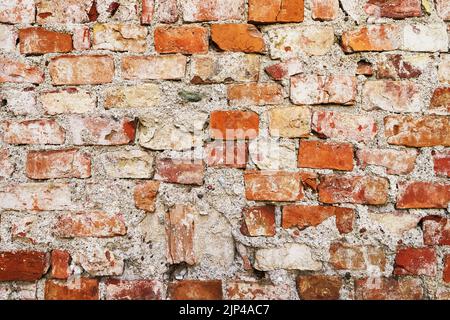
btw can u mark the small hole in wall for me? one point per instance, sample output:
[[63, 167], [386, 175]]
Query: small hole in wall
[[4, 102]]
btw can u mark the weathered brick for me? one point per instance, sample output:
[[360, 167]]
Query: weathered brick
[[56, 11], [20, 102], [440, 101], [415, 261], [316, 89], [396, 222], [319, 287], [269, 11], [70, 100], [395, 161], [18, 291], [353, 189], [238, 37], [8, 37], [442, 163], [347, 126], [138, 96], [446, 272], [195, 290], [273, 154], [181, 39], [397, 9], [443, 9], [253, 290], [226, 154], [273, 186], [131, 164], [17, 11], [323, 155], [352, 257], [43, 131], [119, 37], [97, 224], [166, 11], [388, 289], [224, 68], [81, 38], [285, 69], [290, 122], [19, 71], [6, 164], [145, 194], [180, 171], [101, 130], [291, 256], [100, 262], [22, 265], [394, 96], [60, 260], [425, 37], [180, 232], [254, 94], [421, 194], [213, 10], [133, 289], [258, 221], [436, 230], [84, 69], [36, 40], [169, 67], [74, 289], [302, 217], [425, 131], [290, 42], [364, 68], [325, 10], [69, 163], [385, 37], [36, 196], [397, 66], [444, 68], [232, 125]]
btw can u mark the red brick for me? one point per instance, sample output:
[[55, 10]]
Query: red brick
[[436, 230], [103, 131], [397, 9], [440, 101], [353, 127], [145, 194], [19, 71], [285, 69], [273, 186], [446, 271], [273, 11], [441, 163], [43, 131], [317, 89], [180, 171], [181, 39], [17, 11], [36, 40], [167, 67], [258, 221], [180, 235], [233, 125], [319, 287], [133, 289], [76, 289], [364, 68], [60, 260], [415, 261], [254, 94], [83, 69], [58, 164], [383, 37], [213, 10], [257, 290], [22, 265], [96, 224], [323, 155], [353, 189], [238, 37], [148, 9], [325, 10], [195, 290], [388, 289], [425, 131], [227, 154], [36, 196], [304, 216], [395, 161], [423, 195], [394, 66]]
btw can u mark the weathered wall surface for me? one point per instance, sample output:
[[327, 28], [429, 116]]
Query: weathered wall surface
[[283, 149]]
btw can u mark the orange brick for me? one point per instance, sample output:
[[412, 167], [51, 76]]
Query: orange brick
[[272, 11], [322, 155], [181, 39], [233, 125], [237, 37], [37, 40]]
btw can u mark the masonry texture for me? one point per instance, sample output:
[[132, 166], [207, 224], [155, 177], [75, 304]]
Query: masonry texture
[[224, 149]]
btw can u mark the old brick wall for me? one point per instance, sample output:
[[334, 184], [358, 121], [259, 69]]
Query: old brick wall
[[281, 149]]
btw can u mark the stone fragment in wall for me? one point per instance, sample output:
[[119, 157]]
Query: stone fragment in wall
[[180, 230]]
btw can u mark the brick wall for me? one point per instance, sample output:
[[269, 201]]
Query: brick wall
[[208, 149]]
